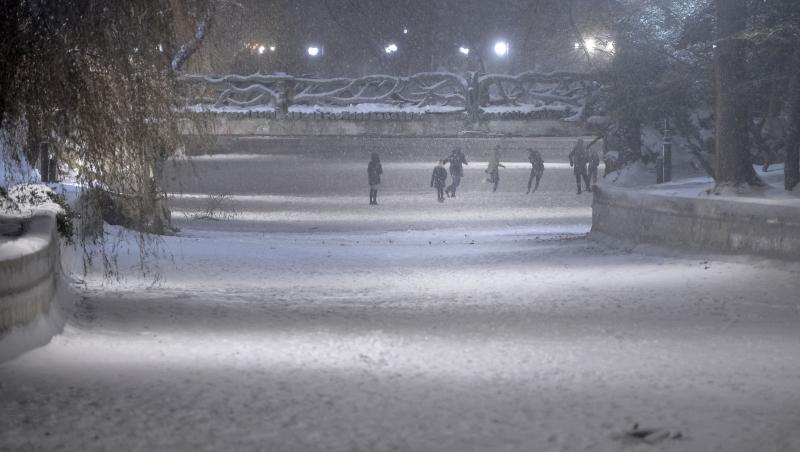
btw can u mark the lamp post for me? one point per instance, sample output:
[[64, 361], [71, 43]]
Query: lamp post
[[666, 152]]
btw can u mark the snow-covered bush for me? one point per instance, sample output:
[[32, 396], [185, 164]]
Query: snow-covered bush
[[24, 200]]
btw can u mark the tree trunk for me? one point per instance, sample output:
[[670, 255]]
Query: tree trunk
[[792, 170], [734, 165]]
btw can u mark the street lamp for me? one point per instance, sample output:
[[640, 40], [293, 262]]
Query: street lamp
[[261, 49], [501, 48], [314, 51], [464, 50], [390, 49], [272, 48]]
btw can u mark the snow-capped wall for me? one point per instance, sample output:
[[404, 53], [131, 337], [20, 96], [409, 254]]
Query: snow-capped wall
[[729, 225], [29, 276]]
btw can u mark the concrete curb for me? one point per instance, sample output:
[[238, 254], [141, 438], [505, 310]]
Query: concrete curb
[[769, 228]]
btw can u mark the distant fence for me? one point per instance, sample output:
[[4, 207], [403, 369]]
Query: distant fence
[[530, 95]]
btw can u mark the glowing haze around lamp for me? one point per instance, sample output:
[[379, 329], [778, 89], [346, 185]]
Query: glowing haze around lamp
[[314, 51], [501, 48]]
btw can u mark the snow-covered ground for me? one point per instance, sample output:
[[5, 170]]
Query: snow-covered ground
[[311, 321]]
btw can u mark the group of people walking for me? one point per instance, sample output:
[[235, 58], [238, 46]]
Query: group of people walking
[[584, 167]]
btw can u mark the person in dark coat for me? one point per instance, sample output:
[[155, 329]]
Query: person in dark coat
[[439, 180], [578, 161], [494, 168], [456, 161], [537, 169], [374, 171]]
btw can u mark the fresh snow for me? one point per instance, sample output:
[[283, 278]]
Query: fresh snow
[[640, 177], [316, 322]]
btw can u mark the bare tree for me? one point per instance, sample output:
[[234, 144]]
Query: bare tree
[[734, 166]]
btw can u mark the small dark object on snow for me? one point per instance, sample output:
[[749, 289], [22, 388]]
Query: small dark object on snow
[[649, 436]]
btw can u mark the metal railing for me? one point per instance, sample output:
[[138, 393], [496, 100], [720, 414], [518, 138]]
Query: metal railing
[[564, 95]]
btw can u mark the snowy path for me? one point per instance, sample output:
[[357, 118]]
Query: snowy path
[[475, 326]]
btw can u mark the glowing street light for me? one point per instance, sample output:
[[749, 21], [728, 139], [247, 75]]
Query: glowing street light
[[313, 51], [390, 49], [610, 47], [590, 44], [261, 49], [405, 31], [501, 48], [464, 50], [272, 48]]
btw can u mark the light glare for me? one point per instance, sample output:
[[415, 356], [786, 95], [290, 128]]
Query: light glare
[[590, 44], [501, 48], [464, 50], [313, 51], [391, 48]]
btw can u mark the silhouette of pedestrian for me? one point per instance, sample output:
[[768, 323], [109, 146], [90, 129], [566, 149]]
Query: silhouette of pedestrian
[[537, 169], [456, 159], [374, 171], [578, 160], [494, 168], [439, 180]]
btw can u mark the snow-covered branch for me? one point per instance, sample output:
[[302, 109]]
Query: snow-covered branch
[[201, 30]]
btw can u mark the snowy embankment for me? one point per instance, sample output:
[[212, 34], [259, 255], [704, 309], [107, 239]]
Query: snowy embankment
[[686, 213]]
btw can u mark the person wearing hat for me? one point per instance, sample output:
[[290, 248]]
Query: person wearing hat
[[456, 161]]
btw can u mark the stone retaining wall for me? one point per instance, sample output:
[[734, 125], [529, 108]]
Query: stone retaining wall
[[29, 269], [382, 125], [768, 228]]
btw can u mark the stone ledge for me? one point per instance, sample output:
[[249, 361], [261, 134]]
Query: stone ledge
[[768, 228], [29, 268]]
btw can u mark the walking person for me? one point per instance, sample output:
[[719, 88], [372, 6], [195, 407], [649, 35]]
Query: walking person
[[537, 169], [439, 180], [374, 171], [578, 161], [494, 168], [456, 159]]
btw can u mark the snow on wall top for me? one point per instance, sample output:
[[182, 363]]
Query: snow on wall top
[[563, 93]]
